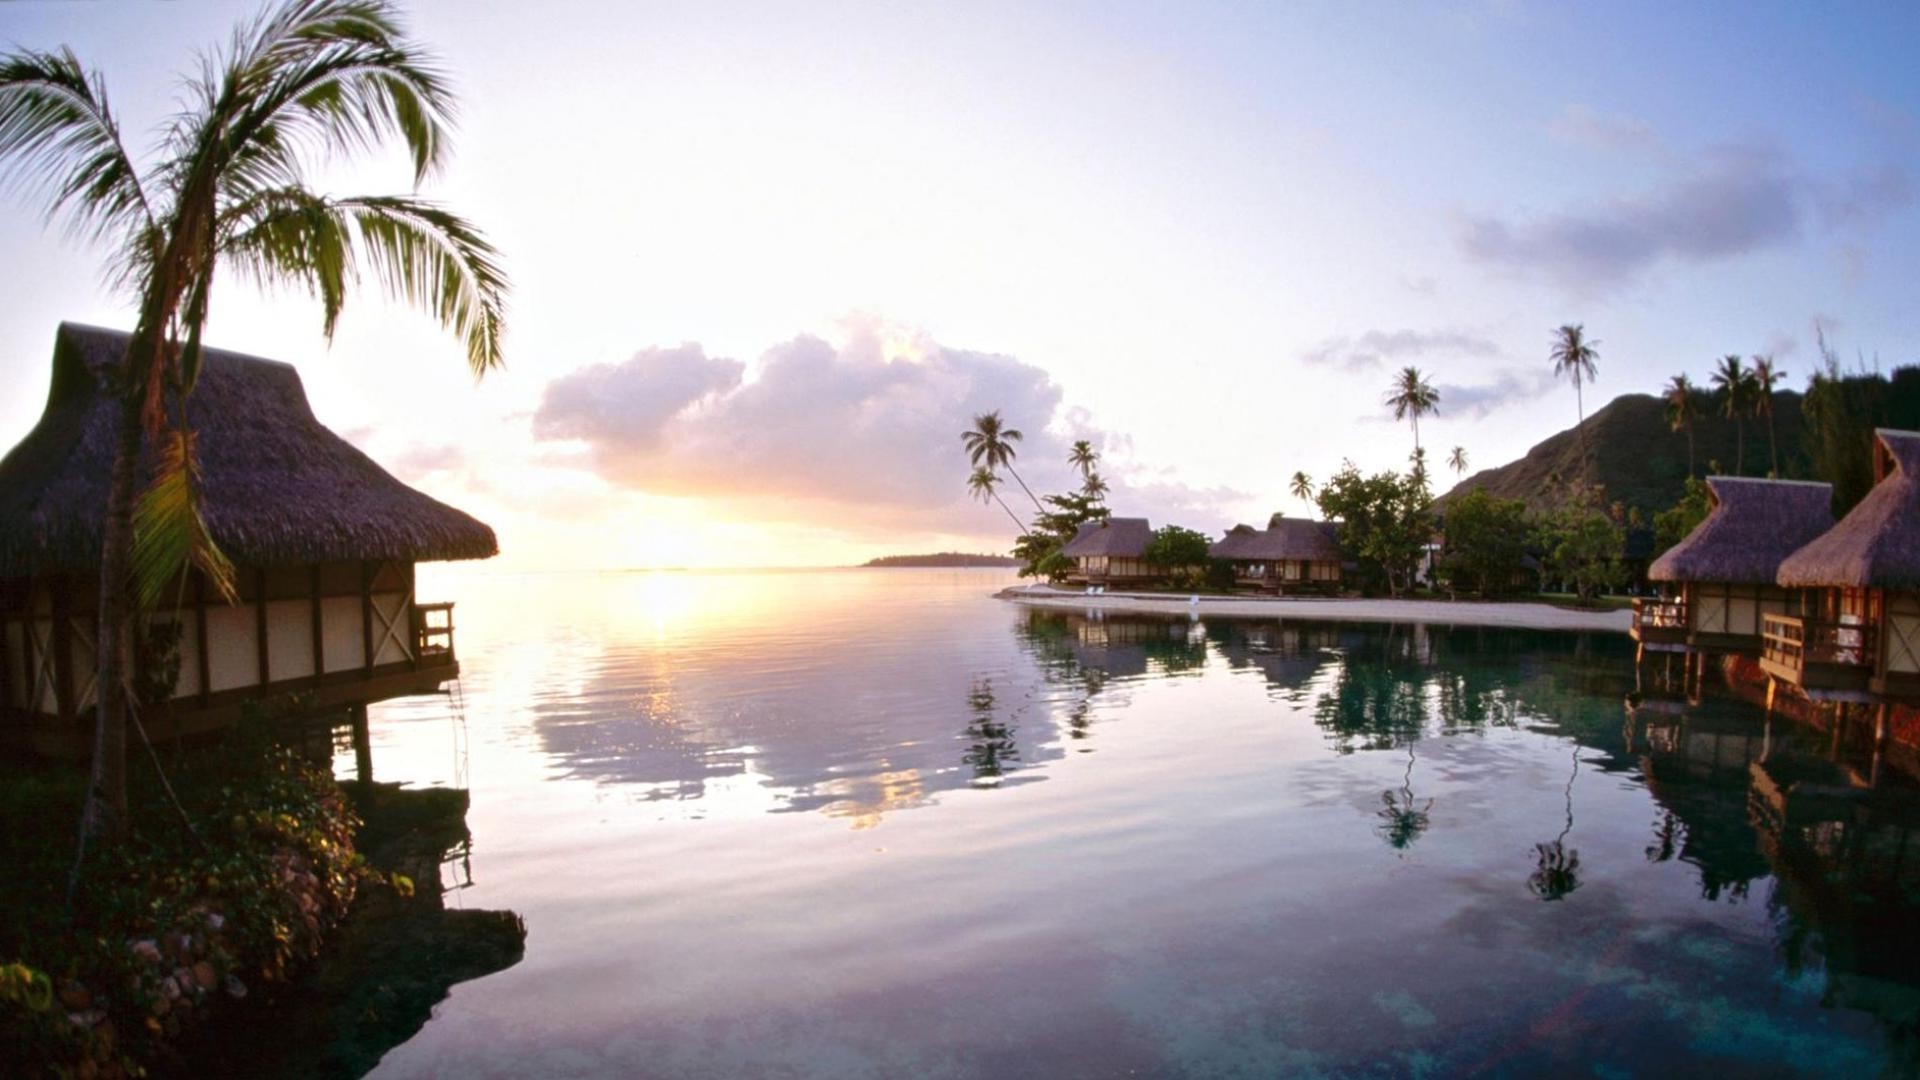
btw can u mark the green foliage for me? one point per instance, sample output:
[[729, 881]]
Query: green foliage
[[1486, 543], [1670, 526], [1582, 542], [262, 867], [1039, 550], [1386, 521], [1177, 548], [1841, 411]]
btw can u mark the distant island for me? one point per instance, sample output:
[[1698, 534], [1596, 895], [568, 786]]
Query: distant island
[[944, 558]]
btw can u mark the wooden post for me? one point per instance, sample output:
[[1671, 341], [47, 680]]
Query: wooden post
[[362, 743], [260, 625], [366, 613], [62, 648], [200, 636], [319, 629]]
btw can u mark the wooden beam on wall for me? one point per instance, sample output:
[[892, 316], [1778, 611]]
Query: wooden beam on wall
[[62, 647], [367, 570], [319, 628], [260, 625]]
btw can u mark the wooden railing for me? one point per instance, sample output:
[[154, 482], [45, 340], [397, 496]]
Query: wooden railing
[[1797, 643], [433, 634], [1659, 614]]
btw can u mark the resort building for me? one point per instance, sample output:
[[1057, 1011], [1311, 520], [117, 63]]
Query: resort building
[[323, 542], [1111, 552], [1290, 554], [1856, 636], [1720, 578]]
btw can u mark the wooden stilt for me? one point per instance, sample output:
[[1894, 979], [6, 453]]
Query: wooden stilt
[[362, 744]]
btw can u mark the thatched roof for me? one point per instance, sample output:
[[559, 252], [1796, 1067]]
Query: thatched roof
[[278, 486], [1124, 538], [1283, 540], [1751, 526], [1877, 544]]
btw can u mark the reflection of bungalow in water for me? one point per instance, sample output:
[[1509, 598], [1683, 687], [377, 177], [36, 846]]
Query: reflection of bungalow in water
[[1111, 552], [323, 541], [1290, 554], [1721, 576], [1859, 636]]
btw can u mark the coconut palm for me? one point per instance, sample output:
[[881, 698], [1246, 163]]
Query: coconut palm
[[1412, 396], [1573, 358], [1457, 461], [1302, 487], [990, 444], [1683, 410], [296, 90], [1083, 457], [1735, 384], [1765, 377], [1094, 487], [982, 485]]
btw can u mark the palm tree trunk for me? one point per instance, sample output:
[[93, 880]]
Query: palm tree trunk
[[1739, 448], [106, 808], [1773, 445], [1017, 523], [1025, 488], [1689, 451]]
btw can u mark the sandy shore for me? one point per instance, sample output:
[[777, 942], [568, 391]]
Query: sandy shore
[[1442, 612]]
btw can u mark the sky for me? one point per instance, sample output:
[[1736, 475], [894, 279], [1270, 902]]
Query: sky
[[768, 260]]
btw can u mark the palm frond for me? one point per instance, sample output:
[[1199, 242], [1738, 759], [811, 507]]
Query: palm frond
[[58, 138], [169, 535]]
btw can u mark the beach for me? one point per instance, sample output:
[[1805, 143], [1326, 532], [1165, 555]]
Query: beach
[[1532, 616]]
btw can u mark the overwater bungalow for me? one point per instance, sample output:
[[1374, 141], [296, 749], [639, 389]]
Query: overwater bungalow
[[1720, 578], [1857, 634], [1290, 554], [324, 543], [1111, 552]]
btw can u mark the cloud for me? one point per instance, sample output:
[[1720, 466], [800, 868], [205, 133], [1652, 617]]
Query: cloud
[[1509, 387], [863, 434], [1582, 125], [1732, 201], [629, 404], [1376, 347]]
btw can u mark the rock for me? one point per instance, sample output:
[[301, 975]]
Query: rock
[[215, 921], [169, 989], [236, 988], [203, 974], [148, 950], [75, 996], [161, 1004]]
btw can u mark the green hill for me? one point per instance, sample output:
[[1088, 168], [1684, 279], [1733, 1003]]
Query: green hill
[[1640, 460]]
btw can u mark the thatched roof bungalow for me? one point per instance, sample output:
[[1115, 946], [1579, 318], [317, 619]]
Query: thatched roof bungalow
[[1720, 577], [1111, 552], [1858, 634], [324, 541], [1290, 553]]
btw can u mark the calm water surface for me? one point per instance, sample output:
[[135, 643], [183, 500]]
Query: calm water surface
[[876, 823]]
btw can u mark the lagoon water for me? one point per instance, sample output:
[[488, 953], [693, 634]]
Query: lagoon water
[[877, 823]]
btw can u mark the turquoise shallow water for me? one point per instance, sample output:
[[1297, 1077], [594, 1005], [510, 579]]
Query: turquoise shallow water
[[876, 823]]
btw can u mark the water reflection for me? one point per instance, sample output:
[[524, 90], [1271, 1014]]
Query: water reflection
[[1556, 871], [1402, 817]]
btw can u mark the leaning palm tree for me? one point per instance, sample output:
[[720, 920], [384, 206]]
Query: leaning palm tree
[[298, 89], [1083, 457], [1765, 377], [982, 484], [1411, 395], [1735, 384], [1683, 410], [1302, 487], [990, 444], [1457, 461]]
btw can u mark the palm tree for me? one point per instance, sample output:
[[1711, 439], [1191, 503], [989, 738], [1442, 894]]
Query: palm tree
[[1573, 356], [1094, 487], [1412, 396], [1765, 376], [1683, 410], [1457, 461], [1735, 384], [1302, 487], [990, 444], [981, 486], [1083, 457], [297, 89]]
